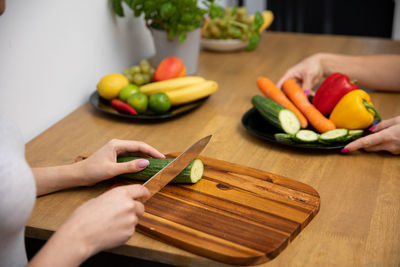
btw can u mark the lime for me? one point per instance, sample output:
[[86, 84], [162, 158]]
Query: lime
[[110, 85], [128, 90], [159, 102], [138, 101]]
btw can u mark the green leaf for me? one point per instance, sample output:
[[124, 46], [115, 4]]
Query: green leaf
[[117, 7], [258, 21], [253, 42], [182, 37]]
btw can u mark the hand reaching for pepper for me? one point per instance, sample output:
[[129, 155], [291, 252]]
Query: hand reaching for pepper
[[385, 136]]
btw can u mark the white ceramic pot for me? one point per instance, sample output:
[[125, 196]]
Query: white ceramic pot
[[188, 51]]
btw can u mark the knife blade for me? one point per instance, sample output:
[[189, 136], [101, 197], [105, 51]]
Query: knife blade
[[169, 172]]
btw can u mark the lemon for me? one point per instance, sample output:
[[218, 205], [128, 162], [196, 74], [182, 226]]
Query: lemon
[[159, 103], [110, 85]]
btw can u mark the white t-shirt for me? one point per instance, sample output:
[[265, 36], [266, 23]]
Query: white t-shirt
[[17, 194]]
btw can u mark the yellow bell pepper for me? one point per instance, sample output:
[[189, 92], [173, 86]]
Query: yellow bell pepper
[[354, 111]]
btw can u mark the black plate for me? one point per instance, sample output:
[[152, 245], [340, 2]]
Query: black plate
[[103, 105], [257, 125]]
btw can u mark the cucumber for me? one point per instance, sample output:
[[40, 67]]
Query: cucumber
[[284, 138], [355, 134], [190, 175], [276, 114], [306, 136], [334, 136]]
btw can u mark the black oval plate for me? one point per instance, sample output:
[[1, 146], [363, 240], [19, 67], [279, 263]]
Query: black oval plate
[[103, 105], [257, 125]]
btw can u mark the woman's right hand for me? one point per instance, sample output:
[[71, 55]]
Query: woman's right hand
[[106, 221], [306, 73]]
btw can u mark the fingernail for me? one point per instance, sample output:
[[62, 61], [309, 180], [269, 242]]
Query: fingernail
[[372, 128], [143, 163], [307, 93], [345, 150]]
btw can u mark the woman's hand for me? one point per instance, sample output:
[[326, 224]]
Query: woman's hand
[[103, 165], [106, 221], [307, 73], [385, 136]]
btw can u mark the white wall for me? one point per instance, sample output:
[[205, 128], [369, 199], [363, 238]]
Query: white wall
[[52, 53]]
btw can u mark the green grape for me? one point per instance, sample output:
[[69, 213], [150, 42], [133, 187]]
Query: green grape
[[135, 69], [138, 79], [146, 78], [126, 72], [145, 69], [152, 70], [143, 63]]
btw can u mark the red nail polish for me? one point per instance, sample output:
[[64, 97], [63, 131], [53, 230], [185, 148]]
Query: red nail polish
[[372, 128], [345, 150]]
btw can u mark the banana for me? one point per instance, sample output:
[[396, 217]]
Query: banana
[[192, 93], [170, 85]]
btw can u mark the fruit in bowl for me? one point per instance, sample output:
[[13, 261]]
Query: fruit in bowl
[[233, 29]]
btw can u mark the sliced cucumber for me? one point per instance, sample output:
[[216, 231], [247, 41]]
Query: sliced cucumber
[[356, 133], [284, 138], [306, 136], [353, 135], [276, 114], [191, 174], [334, 136]]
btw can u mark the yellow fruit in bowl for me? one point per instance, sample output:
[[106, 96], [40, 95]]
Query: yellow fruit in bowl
[[110, 85]]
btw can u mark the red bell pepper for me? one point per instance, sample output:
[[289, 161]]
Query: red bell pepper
[[332, 89], [123, 107]]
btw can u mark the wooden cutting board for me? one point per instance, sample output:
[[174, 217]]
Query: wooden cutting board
[[234, 214]]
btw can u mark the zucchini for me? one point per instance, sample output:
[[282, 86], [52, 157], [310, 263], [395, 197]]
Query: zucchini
[[190, 175], [334, 136], [276, 114], [306, 136], [284, 138]]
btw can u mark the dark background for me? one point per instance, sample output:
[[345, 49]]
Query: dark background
[[373, 18]]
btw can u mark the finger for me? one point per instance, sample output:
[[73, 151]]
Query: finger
[[130, 166], [307, 83], [387, 146], [123, 146], [364, 142], [136, 191], [384, 124], [286, 76], [139, 208]]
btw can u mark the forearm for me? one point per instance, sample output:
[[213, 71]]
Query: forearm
[[380, 72], [61, 250], [51, 179]]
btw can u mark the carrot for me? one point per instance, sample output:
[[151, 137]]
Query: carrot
[[270, 90], [314, 116]]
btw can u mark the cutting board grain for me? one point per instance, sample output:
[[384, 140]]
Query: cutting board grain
[[234, 214]]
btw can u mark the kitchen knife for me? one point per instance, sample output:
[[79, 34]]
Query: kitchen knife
[[169, 172]]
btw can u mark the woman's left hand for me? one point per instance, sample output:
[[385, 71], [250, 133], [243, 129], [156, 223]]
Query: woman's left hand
[[385, 136], [103, 165]]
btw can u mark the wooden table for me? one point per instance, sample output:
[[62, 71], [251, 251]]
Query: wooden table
[[358, 223]]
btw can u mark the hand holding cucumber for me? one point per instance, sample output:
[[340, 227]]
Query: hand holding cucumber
[[103, 165]]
